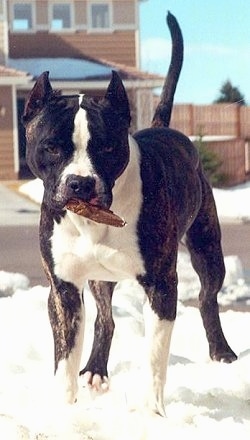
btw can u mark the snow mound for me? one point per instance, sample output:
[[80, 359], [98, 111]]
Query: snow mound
[[201, 396], [10, 282]]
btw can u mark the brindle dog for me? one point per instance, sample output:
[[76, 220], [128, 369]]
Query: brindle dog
[[82, 148]]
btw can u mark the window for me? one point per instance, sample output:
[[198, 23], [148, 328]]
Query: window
[[22, 17], [100, 16], [61, 17]]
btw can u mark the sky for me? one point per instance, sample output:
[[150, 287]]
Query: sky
[[216, 45]]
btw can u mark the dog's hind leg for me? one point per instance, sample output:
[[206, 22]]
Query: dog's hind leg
[[204, 243], [95, 371], [160, 286], [158, 334]]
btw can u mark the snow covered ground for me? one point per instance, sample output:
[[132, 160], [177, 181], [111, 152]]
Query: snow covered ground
[[203, 399]]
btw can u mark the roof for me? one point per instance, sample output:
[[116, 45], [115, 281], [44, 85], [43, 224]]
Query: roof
[[130, 72], [9, 76], [82, 69], [69, 69]]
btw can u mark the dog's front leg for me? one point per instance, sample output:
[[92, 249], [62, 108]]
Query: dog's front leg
[[66, 315], [95, 371], [65, 303]]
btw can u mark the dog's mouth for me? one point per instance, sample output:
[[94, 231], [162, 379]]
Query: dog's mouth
[[95, 213], [95, 202], [98, 201]]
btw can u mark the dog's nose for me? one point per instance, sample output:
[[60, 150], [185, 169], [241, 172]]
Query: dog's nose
[[81, 187], [75, 185]]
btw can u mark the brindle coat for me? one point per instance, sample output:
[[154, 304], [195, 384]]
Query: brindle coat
[[155, 181]]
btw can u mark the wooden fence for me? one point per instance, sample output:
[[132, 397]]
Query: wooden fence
[[232, 155], [217, 119]]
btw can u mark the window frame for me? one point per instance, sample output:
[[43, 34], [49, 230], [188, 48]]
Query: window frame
[[90, 26], [33, 17], [71, 17]]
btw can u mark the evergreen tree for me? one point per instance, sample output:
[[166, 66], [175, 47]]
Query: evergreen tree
[[211, 163], [229, 93]]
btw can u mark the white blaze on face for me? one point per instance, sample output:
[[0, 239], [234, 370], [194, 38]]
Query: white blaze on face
[[80, 163]]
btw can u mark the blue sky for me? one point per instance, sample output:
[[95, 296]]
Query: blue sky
[[216, 45]]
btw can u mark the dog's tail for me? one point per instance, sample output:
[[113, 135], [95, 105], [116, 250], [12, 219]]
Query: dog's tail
[[164, 109]]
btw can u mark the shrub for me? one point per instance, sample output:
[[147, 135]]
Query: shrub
[[211, 163]]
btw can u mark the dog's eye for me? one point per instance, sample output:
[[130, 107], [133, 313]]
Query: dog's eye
[[108, 149], [52, 149]]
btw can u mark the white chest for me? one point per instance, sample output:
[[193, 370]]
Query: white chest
[[89, 251], [95, 252]]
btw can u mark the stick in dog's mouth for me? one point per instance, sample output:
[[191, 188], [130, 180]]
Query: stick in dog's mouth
[[95, 213]]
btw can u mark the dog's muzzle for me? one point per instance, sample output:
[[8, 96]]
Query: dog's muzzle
[[89, 189]]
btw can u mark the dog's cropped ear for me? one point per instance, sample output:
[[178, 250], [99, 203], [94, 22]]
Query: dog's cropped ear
[[37, 98], [117, 96]]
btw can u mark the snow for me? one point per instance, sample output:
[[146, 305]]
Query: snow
[[232, 203], [203, 398]]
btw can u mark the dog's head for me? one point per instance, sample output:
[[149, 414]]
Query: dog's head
[[77, 145]]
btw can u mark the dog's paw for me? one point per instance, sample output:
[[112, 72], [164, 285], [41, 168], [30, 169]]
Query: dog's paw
[[95, 382], [64, 392], [157, 409], [155, 406], [66, 383], [227, 357]]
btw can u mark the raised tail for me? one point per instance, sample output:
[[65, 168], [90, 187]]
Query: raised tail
[[163, 111]]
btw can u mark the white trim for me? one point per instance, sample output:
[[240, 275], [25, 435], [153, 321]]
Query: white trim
[[5, 32], [113, 28], [81, 27], [137, 37], [9, 80], [137, 15], [124, 27], [212, 138], [137, 50], [145, 107], [42, 27], [15, 129], [98, 85], [247, 156], [100, 31]]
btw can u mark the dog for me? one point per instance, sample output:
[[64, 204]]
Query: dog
[[81, 147]]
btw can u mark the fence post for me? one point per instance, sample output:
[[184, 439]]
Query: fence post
[[238, 121]]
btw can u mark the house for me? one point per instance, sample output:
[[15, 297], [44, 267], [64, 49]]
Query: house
[[79, 42]]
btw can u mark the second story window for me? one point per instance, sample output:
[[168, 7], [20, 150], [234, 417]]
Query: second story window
[[22, 17], [100, 16], [61, 17]]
